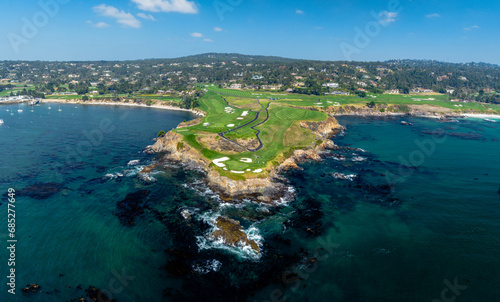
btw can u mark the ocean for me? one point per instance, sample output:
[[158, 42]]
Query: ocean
[[397, 213]]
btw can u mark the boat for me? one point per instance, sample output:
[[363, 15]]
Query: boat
[[59, 109], [1, 122], [11, 113], [50, 107]]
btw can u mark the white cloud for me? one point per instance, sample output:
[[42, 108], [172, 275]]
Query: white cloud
[[208, 40], [167, 6], [196, 35], [388, 17], [431, 16], [147, 17], [299, 12], [102, 25], [472, 27], [125, 19], [218, 29]]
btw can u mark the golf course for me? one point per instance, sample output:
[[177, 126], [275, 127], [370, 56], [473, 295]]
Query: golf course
[[264, 126]]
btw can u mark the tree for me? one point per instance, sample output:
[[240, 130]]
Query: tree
[[161, 133], [187, 102], [371, 104], [361, 94], [85, 98]]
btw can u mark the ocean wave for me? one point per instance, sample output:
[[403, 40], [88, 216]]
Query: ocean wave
[[133, 162], [207, 266], [113, 175], [344, 176], [203, 190], [287, 197], [358, 159], [242, 250]]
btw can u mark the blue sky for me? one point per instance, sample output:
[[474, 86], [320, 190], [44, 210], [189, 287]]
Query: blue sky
[[371, 30]]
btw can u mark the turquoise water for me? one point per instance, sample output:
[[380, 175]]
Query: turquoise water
[[388, 233]]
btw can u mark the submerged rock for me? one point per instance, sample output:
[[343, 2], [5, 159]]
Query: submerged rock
[[231, 232], [131, 207], [41, 190], [95, 294], [31, 289]]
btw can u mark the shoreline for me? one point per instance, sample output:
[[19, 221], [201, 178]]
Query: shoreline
[[480, 115], [460, 115], [90, 102]]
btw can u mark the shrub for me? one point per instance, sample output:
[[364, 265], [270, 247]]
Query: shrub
[[161, 133]]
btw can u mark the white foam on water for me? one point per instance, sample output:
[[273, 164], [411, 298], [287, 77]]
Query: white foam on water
[[241, 250], [287, 197], [207, 266], [344, 176], [359, 158], [133, 162]]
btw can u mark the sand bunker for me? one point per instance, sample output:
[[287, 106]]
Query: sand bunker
[[218, 162]]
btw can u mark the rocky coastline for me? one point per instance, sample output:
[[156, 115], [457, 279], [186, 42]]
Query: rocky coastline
[[267, 189]]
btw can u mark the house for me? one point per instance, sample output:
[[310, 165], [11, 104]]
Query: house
[[392, 91], [235, 86], [337, 93], [331, 85], [272, 87]]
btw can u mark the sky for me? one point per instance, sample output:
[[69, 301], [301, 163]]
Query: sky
[[370, 30]]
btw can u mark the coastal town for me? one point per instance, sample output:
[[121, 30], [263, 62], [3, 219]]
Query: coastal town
[[182, 79]]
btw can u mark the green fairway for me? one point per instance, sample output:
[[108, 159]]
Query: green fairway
[[242, 97], [280, 133]]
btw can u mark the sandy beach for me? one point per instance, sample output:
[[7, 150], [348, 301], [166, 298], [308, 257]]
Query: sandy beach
[[490, 116]]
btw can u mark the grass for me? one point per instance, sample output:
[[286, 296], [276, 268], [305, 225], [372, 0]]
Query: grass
[[320, 102], [280, 134]]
